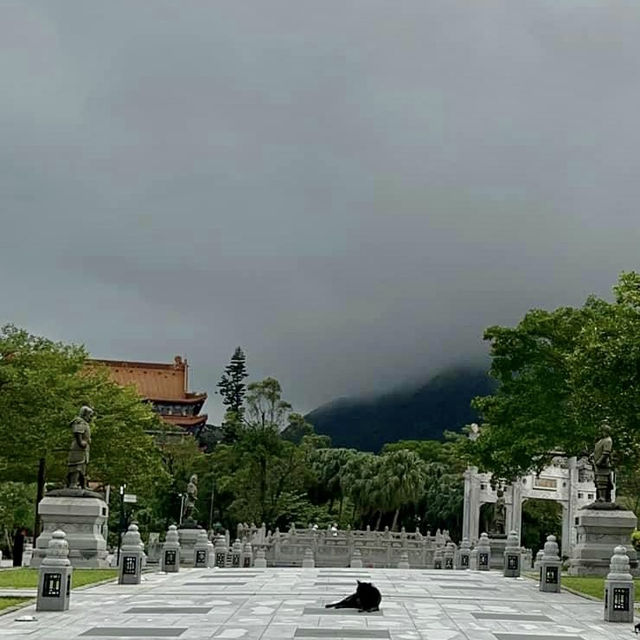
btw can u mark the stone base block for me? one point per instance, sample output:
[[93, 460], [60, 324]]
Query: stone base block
[[599, 532], [498, 543], [82, 519], [187, 537]]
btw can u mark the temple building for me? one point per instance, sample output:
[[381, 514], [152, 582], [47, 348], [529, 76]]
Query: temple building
[[165, 387]]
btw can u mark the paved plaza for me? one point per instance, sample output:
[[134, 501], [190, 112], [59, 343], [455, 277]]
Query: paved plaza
[[289, 603]]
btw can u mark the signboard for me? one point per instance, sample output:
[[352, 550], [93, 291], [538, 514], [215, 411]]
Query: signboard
[[130, 497]]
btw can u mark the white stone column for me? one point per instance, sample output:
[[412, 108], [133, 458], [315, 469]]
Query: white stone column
[[466, 505], [471, 505], [515, 521], [567, 525], [570, 538]]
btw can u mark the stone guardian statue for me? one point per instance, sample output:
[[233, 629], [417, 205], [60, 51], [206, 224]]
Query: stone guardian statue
[[192, 496], [499, 514], [602, 467], [79, 451]]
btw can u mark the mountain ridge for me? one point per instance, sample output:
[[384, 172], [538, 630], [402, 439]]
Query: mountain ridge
[[421, 411]]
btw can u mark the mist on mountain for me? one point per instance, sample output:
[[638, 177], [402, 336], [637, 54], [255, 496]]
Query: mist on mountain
[[421, 412]]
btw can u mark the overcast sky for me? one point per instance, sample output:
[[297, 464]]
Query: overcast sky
[[350, 190]]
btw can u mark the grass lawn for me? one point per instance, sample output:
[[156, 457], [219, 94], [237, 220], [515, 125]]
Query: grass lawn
[[593, 586], [28, 578], [5, 603]]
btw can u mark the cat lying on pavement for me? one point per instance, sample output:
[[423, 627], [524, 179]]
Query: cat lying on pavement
[[366, 598]]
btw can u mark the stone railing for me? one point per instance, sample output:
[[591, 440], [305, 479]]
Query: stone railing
[[334, 548]]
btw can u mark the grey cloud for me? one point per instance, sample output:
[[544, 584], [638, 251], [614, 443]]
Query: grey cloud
[[350, 190]]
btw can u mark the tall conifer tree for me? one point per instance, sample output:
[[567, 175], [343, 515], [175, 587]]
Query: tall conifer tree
[[233, 389]]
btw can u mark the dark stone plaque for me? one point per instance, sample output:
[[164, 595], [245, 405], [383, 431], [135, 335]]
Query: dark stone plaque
[[621, 599], [129, 565], [52, 585]]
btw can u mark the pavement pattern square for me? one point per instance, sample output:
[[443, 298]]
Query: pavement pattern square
[[283, 604]]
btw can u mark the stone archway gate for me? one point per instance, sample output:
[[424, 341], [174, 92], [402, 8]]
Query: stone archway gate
[[567, 481]]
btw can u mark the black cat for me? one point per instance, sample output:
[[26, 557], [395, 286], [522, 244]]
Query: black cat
[[366, 598], [636, 629]]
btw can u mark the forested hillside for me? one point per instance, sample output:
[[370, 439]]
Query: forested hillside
[[422, 412]]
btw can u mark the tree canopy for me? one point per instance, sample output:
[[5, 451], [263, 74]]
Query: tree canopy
[[560, 374], [42, 386]]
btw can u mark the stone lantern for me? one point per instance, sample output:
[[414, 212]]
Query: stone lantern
[[619, 589], [54, 579], [473, 560], [201, 551], [261, 559], [512, 556], [550, 567], [220, 550], [211, 558], [170, 560], [308, 561], [463, 554], [356, 559], [403, 563], [538, 560], [131, 557], [247, 555], [236, 554], [484, 552], [449, 555], [437, 558]]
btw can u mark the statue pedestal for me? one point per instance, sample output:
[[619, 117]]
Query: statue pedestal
[[187, 535], [498, 543], [81, 516], [601, 528]]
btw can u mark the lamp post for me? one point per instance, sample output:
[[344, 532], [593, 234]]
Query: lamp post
[[181, 507], [213, 490], [122, 520]]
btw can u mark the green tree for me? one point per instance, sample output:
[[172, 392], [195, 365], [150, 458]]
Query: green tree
[[560, 374], [265, 408], [181, 458], [39, 393], [443, 492], [121, 449], [540, 518], [296, 429], [328, 465], [233, 390], [404, 475], [231, 385], [265, 476], [362, 481], [259, 440], [42, 386], [16, 509]]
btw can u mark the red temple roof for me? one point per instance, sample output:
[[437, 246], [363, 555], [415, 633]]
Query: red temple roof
[[159, 384]]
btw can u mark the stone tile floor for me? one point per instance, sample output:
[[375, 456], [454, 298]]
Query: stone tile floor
[[283, 604]]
